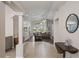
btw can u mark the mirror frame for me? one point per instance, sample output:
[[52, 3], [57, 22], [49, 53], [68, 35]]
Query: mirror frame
[[77, 23]]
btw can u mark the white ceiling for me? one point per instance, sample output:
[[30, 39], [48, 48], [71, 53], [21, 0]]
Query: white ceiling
[[37, 9]]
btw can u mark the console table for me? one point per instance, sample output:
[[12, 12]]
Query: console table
[[62, 48]]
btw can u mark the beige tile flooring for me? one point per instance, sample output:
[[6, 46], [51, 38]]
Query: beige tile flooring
[[37, 50]]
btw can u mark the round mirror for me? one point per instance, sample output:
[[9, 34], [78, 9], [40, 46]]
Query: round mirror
[[72, 23]]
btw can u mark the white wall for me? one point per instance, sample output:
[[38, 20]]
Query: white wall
[[2, 30], [9, 21], [26, 23], [15, 26], [60, 31], [28, 33]]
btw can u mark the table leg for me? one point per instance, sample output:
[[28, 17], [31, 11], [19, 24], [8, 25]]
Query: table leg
[[63, 54]]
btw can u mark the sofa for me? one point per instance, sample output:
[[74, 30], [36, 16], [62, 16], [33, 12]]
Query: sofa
[[47, 37]]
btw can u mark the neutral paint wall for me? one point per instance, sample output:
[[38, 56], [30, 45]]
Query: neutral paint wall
[[60, 32], [28, 33], [2, 30], [26, 23], [15, 26], [49, 26], [9, 21]]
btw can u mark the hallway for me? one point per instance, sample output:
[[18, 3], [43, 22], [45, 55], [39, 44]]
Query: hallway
[[39, 29], [34, 21]]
